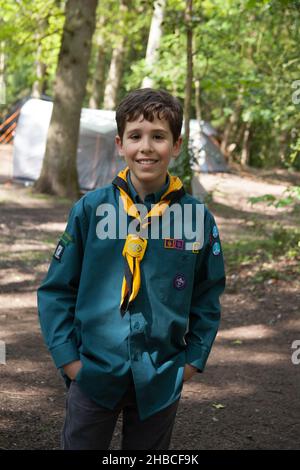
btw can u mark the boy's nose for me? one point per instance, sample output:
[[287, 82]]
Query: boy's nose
[[145, 145]]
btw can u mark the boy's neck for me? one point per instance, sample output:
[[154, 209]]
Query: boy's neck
[[143, 189]]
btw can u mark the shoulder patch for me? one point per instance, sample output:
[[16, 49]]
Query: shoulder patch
[[59, 251], [66, 238], [215, 232], [216, 248]]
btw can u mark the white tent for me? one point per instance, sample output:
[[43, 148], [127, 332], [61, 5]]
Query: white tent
[[97, 158], [207, 156]]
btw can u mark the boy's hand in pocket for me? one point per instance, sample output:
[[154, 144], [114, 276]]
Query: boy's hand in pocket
[[72, 369], [189, 371]]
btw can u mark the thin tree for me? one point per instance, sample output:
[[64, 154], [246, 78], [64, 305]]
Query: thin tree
[[59, 172], [154, 40], [116, 65], [98, 81], [39, 84], [2, 73], [189, 71], [114, 75], [188, 93]]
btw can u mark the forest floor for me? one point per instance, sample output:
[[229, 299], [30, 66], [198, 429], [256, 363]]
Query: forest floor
[[248, 396]]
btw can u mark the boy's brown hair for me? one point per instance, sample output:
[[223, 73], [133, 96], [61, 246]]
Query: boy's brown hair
[[150, 103]]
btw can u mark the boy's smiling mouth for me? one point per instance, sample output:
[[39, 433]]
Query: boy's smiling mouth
[[146, 161]]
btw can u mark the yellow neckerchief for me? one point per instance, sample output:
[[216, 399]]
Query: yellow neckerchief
[[135, 246]]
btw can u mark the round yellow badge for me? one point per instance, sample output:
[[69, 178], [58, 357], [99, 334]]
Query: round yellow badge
[[135, 246]]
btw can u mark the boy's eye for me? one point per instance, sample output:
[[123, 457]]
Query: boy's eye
[[137, 136]]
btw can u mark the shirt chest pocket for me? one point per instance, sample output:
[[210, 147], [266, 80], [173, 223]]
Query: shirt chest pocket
[[171, 274]]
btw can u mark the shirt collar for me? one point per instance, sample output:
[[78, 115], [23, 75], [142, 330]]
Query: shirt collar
[[151, 198]]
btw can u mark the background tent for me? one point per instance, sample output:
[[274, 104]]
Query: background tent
[[97, 157], [207, 155]]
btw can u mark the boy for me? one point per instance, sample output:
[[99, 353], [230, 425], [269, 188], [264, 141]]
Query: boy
[[129, 318]]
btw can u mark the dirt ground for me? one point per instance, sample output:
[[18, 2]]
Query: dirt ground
[[248, 396]]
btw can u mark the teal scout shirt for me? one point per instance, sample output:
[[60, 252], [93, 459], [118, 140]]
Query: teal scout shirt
[[172, 321]]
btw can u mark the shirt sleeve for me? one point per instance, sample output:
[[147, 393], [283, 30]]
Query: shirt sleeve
[[57, 294], [209, 284]]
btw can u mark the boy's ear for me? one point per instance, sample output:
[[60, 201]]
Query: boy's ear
[[119, 145], [177, 147]]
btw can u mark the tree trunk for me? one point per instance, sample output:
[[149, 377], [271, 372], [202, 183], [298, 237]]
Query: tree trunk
[[154, 40], [245, 146], [188, 93], [39, 84], [2, 73], [239, 134], [116, 65], [189, 75], [97, 93], [114, 76], [197, 101], [59, 172], [229, 127], [283, 147]]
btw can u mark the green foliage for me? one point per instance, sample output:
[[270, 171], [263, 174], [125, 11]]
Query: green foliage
[[269, 198], [246, 57], [291, 197], [30, 31], [182, 167], [266, 245], [294, 157]]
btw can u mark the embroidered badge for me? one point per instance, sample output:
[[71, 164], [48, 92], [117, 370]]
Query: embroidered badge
[[169, 243], [173, 243], [179, 281], [59, 251], [216, 248], [179, 244], [196, 247], [66, 238], [215, 232]]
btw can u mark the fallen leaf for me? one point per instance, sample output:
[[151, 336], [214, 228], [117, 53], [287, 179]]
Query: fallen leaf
[[218, 406], [237, 341]]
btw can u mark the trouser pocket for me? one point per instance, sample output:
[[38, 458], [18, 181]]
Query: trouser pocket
[[88, 426]]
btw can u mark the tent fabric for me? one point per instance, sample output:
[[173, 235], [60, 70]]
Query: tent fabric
[[207, 156], [97, 156]]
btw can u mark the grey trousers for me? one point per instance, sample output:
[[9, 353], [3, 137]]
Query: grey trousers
[[89, 426]]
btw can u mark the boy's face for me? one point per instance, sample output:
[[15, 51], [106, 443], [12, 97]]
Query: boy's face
[[148, 148]]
